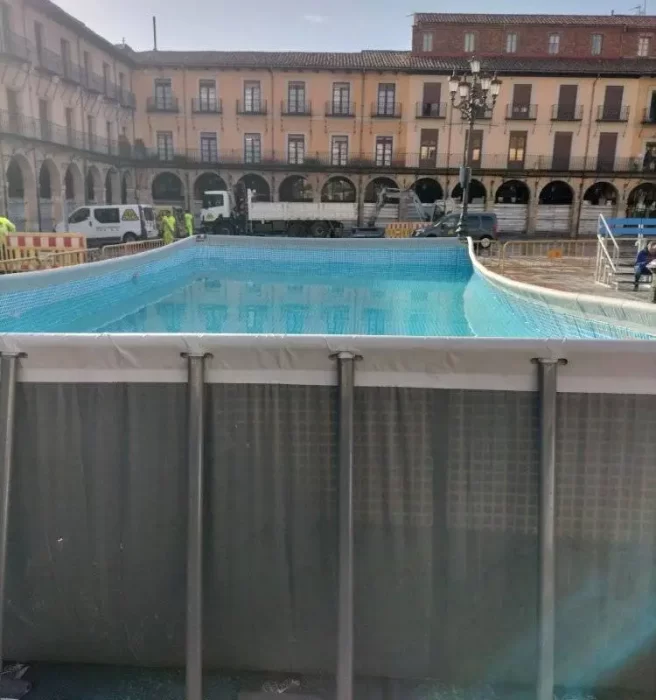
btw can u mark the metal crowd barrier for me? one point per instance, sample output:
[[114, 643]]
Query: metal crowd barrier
[[121, 249], [539, 251]]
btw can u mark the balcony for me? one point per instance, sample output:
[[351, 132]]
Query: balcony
[[521, 112], [566, 113], [294, 108], [93, 82], [206, 105], [608, 113], [110, 91], [49, 62], [162, 103], [648, 116], [340, 109], [251, 108], [482, 114], [386, 110], [430, 110], [71, 72], [127, 99], [14, 46]]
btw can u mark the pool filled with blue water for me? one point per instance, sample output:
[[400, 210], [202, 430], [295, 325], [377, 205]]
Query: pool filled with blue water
[[255, 287]]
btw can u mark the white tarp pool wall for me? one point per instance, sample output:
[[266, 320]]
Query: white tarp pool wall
[[425, 475]]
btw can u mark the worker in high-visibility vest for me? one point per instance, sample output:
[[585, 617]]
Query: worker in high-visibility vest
[[189, 223], [6, 226], [168, 228]]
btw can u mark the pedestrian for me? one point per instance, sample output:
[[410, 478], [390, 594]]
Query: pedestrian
[[645, 257], [168, 228], [6, 226], [189, 222]]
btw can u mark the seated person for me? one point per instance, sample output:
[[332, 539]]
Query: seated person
[[643, 263]]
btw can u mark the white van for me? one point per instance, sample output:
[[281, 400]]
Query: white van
[[116, 223]]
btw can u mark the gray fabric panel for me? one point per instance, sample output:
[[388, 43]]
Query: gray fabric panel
[[445, 514]]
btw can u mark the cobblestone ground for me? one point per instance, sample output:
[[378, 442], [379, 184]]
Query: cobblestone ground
[[566, 274]]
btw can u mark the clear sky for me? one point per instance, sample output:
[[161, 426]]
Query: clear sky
[[293, 25]]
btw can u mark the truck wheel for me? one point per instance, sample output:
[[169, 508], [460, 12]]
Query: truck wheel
[[129, 238], [320, 229], [297, 230], [223, 228]]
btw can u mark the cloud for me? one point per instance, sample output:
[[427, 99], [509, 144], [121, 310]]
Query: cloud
[[315, 19]]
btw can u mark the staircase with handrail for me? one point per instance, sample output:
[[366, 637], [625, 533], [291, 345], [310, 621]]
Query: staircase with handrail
[[618, 241]]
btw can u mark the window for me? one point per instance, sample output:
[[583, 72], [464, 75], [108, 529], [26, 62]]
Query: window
[[296, 98], [643, 46], [209, 147], [554, 43], [428, 148], [476, 148], [121, 85], [163, 94], [386, 99], [252, 96], [296, 149], [43, 120], [470, 42], [107, 78], [66, 57], [87, 66], [384, 145], [341, 99], [212, 200], [80, 215], [517, 148], [252, 148], [91, 127], [511, 42], [597, 42], [108, 131], [165, 145], [427, 41], [339, 150], [68, 115], [106, 215], [207, 96], [38, 38]]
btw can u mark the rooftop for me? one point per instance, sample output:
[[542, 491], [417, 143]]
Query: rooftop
[[638, 21]]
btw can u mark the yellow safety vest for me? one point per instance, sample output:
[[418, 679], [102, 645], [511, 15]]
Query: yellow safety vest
[[6, 226], [189, 224]]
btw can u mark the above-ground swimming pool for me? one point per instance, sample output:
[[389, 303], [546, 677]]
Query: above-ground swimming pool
[[414, 288]]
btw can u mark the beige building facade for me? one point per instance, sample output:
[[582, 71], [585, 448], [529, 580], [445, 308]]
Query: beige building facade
[[572, 134]]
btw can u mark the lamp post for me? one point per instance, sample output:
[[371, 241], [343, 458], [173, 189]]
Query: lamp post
[[472, 94]]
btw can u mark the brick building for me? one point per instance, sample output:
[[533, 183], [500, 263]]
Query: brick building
[[573, 132]]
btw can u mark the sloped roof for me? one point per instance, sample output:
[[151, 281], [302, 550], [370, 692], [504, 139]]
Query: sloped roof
[[638, 21]]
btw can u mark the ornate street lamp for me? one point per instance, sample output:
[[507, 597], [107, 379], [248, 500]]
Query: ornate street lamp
[[473, 94]]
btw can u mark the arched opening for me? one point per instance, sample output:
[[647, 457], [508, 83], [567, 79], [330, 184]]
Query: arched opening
[[69, 185], [601, 194], [513, 192], [93, 185], [49, 189], [208, 182], [111, 187], [258, 185], [338, 189], [477, 192], [295, 189], [125, 187], [21, 193], [375, 186], [428, 190], [556, 193], [555, 208], [642, 201], [167, 188]]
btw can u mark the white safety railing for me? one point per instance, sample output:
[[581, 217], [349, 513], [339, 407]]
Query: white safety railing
[[607, 260]]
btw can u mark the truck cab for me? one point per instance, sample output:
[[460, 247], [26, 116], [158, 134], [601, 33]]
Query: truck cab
[[217, 205]]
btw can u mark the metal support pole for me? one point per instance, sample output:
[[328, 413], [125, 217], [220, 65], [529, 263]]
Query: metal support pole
[[8, 371], [346, 374], [195, 454], [547, 383]]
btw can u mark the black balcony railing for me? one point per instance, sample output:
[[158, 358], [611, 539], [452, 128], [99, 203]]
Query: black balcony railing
[[386, 110], [431, 110], [162, 103], [612, 113], [252, 107], [206, 105], [71, 72], [14, 46], [93, 82], [127, 99], [649, 115], [566, 113], [340, 109], [482, 113], [295, 108], [49, 62], [521, 112]]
